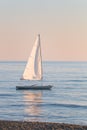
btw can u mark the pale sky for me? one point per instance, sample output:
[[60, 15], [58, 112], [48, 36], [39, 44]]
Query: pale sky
[[62, 25]]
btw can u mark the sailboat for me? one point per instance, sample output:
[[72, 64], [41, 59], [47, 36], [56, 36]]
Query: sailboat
[[33, 69]]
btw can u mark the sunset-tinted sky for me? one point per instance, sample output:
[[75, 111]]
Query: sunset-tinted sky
[[61, 23]]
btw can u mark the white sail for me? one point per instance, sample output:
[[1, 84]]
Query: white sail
[[33, 69]]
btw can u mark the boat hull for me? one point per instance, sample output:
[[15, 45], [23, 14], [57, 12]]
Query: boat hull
[[48, 87]]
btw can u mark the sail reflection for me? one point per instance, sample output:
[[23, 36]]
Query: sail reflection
[[33, 103]]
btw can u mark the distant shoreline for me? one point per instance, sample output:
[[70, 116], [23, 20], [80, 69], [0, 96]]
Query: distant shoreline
[[24, 61], [24, 125]]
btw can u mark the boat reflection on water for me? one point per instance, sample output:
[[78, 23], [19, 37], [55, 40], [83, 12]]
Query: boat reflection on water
[[33, 101]]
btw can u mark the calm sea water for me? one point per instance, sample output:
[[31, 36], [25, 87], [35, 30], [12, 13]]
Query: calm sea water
[[66, 102]]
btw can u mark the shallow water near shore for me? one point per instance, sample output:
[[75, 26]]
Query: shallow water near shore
[[65, 103]]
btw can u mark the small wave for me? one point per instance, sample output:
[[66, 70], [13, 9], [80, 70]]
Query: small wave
[[74, 81], [67, 105], [6, 95], [8, 81]]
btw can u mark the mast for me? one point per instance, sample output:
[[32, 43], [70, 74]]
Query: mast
[[41, 56]]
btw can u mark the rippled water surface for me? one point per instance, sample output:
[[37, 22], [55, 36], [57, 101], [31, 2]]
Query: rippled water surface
[[66, 102]]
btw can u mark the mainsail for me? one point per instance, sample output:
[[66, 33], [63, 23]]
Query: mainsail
[[33, 69]]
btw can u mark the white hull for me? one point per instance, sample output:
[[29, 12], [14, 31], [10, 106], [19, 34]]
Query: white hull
[[34, 87]]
